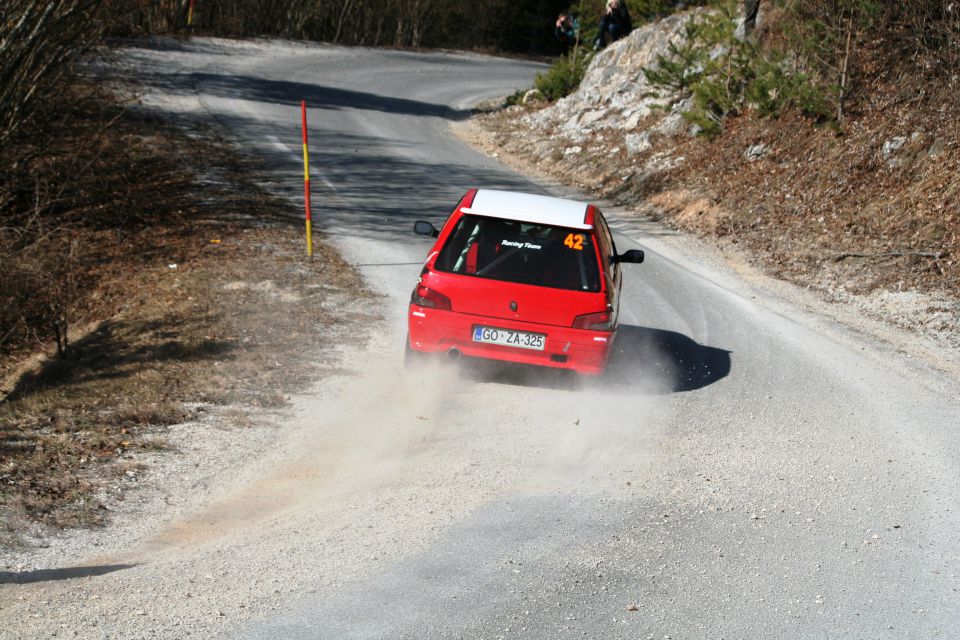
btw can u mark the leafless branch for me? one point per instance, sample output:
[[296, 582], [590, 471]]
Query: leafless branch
[[891, 254]]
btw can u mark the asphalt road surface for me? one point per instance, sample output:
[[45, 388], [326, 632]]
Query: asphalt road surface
[[747, 469]]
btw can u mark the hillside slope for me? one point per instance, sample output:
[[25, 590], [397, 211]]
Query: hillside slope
[[867, 213]]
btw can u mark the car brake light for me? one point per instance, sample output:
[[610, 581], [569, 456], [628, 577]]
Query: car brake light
[[602, 321], [425, 297]]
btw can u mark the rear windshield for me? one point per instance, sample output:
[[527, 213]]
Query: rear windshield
[[520, 252]]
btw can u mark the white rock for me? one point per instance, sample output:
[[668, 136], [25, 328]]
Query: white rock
[[755, 152], [632, 122], [532, 95], [637, 142], [614, 81], [938, 148], [663, 161], [891, 148], [591, 117], [672, 124]]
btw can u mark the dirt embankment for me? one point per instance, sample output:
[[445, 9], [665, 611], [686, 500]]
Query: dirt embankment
[[191, 300], [867, 213]]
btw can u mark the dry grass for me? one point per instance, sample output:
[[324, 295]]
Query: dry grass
[[827, 202], [208, 299]]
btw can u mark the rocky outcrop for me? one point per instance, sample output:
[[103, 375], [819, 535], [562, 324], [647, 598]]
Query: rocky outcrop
[[614, 96]]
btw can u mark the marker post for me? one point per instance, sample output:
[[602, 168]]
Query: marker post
[[306, 178], [190, 14]]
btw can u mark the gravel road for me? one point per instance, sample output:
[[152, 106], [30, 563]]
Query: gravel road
[[748, 469]]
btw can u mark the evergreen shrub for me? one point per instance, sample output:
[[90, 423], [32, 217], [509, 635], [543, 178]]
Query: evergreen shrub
[[564, 75], [725, 73]]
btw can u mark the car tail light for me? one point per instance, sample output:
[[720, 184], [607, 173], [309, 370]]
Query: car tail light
[[426, 297], [602, 321]]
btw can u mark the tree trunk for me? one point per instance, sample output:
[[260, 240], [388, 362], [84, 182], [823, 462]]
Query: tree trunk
[[844, 71], [343, 14], [751, 9]]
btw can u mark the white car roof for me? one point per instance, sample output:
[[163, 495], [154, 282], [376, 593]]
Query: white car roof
[[527, 207]]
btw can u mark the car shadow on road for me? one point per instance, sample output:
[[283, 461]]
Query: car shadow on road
[[644, 360], [317, 96], [523, 375], [659, 361]]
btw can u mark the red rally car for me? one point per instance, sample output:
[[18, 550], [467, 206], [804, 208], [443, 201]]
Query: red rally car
[[519, 277]]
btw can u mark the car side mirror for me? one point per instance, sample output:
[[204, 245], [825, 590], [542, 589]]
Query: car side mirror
[[423, 228], [634, 256]]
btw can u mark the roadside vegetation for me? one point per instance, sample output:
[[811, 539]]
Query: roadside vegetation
[[160, 285], [824, 141], [721, 70], [806, 59], [838, 122]]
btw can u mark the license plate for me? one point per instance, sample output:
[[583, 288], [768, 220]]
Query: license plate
[[509, 338]]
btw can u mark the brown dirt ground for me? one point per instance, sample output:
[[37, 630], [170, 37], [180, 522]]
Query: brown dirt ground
[[206, 304]]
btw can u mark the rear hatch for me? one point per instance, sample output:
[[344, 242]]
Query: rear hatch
[[528, 272]]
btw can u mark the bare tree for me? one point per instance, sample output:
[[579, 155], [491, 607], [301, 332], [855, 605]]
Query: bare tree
[[40, 39]]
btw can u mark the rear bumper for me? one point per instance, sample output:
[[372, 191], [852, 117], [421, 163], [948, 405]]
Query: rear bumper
[[580, 350]]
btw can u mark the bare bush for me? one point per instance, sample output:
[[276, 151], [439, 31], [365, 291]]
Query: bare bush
[[39, 266], [40, 39], [925, 33], [932, 31]]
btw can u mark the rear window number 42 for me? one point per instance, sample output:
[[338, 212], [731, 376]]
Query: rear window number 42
[[574, 241]]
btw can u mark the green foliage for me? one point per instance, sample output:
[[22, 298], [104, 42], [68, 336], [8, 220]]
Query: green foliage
[[711, 102], [564, 76], [725, 73], [515, 98], [683, 65], [771, 78], [777, 85]]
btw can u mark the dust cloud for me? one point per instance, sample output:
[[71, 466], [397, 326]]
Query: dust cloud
[[396, 456]]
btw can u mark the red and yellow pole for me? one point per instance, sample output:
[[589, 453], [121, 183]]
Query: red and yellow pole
[[306, 178], [190, 13]]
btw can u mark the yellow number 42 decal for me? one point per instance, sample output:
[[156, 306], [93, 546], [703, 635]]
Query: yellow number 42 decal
[[574, 241]]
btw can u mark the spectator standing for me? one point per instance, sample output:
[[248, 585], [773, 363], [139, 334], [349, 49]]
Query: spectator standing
[[614, 24]]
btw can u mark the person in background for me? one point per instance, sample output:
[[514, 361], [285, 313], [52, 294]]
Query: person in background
[[567, 30], [614, 24]]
